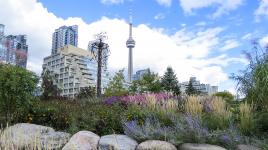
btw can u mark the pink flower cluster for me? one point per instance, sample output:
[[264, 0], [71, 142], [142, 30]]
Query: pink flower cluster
[[140, 99]]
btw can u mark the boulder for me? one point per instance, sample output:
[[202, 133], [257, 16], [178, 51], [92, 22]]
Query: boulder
[[156, 145], [192, 146], [83, 140], [30, 136], [118, 142], [247, 147]]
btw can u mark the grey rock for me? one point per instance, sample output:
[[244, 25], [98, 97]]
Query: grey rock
[[156, 145], [83, 140], [192, 146], [247, 147], [117, 142], [30, 136]]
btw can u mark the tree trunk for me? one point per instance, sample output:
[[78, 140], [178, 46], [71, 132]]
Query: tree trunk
[[99, 69]]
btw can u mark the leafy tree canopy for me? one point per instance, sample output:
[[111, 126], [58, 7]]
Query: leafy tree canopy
[[17, 86], [50, 90], [150, 82], [116, 85]]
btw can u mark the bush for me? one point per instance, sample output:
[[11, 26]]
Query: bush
[[253, 81], [193, 106], [151, 129], [227, 96], [228, 138], [218, 115], [262, 122], [246, 118], [17, 86], [72, 116]]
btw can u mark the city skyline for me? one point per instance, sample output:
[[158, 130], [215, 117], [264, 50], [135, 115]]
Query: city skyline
[[194, 39]]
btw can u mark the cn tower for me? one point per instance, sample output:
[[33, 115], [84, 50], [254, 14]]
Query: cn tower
[[130, 45]]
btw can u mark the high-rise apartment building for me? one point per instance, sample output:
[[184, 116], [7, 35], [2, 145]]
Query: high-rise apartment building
[[139, 74], [13, 49], [73, 68], [65, 35], [201, 87]]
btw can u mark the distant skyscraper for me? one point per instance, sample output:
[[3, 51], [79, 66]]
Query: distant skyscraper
[[139, 74], [17, 50], [13, 49], [64, 36], [2, 44], [130, 45]]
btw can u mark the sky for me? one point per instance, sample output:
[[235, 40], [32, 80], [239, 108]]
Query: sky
[[202, 38]]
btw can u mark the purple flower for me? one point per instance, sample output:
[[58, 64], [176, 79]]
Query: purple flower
[[226, 139], [111, 100]]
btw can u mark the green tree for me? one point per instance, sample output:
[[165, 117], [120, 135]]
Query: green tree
[[50, 90], [170, 83], [190, 90], [150, 82], [227, 96], [87, 92], [253, 81], [116, 85], [17, 86]]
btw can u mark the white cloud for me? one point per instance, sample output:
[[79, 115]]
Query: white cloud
[[159, 16], [262, 9], [223, 6], [201, 23], [108, 2], [230, 44], [264, 41], [247, 36], [186, 51], [166, 3]]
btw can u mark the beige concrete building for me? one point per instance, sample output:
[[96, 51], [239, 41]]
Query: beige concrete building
[[73, 68]]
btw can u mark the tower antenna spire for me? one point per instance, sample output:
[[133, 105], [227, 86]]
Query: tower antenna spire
[[130, 45]]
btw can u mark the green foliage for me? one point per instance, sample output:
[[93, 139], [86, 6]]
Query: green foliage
[[190, 90], [262, 122], [17, 86], [227, 96], [74, 116], [139, 113], [170, 83], [50, 90], [116, 85], [87, 93], [247, 121], [150, 82], [214, 122], [253, 82]]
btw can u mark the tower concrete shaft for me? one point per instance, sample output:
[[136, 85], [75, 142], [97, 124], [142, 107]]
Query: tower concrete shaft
[[130, 45]]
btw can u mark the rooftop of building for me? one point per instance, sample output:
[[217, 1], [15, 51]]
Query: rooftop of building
[[70, 49]]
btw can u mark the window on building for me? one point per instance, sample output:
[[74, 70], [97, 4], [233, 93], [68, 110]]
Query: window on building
[[71, 84], [61, 69], [66, 85]]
